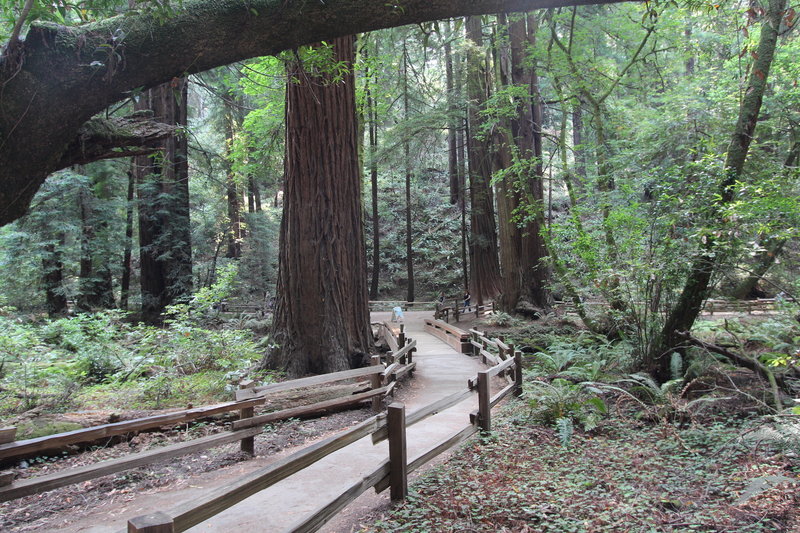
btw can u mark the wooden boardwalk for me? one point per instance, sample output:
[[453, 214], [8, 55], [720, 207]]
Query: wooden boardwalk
[[441, 371]]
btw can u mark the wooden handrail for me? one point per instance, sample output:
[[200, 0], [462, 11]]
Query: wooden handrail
[[25, 448], [202, 508], [311, 381], [26, 487]]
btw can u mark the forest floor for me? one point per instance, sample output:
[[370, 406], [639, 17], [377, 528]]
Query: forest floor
[[626, 475]]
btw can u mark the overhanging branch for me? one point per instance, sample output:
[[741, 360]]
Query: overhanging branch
[[102, 138]]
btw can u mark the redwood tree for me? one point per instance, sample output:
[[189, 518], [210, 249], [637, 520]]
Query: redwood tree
[[165, 249], [485, 281], [322, 316]]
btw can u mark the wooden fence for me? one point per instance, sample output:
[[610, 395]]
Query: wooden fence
[[458, 339], [382, 375], [457, 310], [391, 473], [711, 306]]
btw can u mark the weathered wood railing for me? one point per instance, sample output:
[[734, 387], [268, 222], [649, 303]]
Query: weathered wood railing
[[455, 337], [387, 305], [711, 306], [382, 378], [391, 473], [458, 310]]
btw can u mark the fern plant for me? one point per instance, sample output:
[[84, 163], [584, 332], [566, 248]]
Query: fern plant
[[560, 400]]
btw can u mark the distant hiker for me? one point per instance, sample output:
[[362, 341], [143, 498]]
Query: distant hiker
[[441, 297], [467, 299], [397, 314]]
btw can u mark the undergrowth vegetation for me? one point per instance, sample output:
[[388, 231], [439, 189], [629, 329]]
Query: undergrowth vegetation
[[104, 361], [625, 476]]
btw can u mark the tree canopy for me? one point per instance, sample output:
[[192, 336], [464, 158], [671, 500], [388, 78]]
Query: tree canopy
[[58, 77]]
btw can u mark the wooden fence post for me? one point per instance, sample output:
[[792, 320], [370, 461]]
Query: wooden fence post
[[248, 445], [151, 523], [484, 402], [401, 339], [8, 435], [375, 383], [517, 372], [455, 310], [398, 460]]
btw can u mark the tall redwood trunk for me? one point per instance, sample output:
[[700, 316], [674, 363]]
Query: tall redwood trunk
[[407, 155], [372, 119], [233, 120], [526, 282], [95, 286], [322, 316], [452, 148], [485, 282], [125, 281], [53, 278], [163, 189]]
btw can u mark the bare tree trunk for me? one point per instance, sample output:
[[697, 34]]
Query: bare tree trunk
[[163, 188], [322, 316], [125, 282], [485, 282], [232, 189], [372, 118], [577, 144], [95, 286], [407, 155], [53, 278], [452, 148]]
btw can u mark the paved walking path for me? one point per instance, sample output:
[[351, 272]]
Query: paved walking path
[[440, 371]]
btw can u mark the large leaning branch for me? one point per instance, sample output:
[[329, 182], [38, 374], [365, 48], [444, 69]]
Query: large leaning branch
[[101, 138], [69, 74], [737, 359]]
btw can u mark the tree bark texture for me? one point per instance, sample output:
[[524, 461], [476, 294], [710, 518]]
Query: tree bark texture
[[59, 77], [485, 279], [698, 282], [165, 249], [527, 130], [322, 316]]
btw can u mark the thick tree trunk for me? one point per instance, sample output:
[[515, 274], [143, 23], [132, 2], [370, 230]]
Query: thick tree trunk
[[682, 316], [485, 282], [322, 316], [534, 293], [163, 187]]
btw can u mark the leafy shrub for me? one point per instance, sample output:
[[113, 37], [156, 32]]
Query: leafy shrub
[[550, 403]]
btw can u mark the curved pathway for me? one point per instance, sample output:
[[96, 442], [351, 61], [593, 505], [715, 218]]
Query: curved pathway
[[440, 371]]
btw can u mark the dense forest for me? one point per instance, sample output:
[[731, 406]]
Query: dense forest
[[599, 172]]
